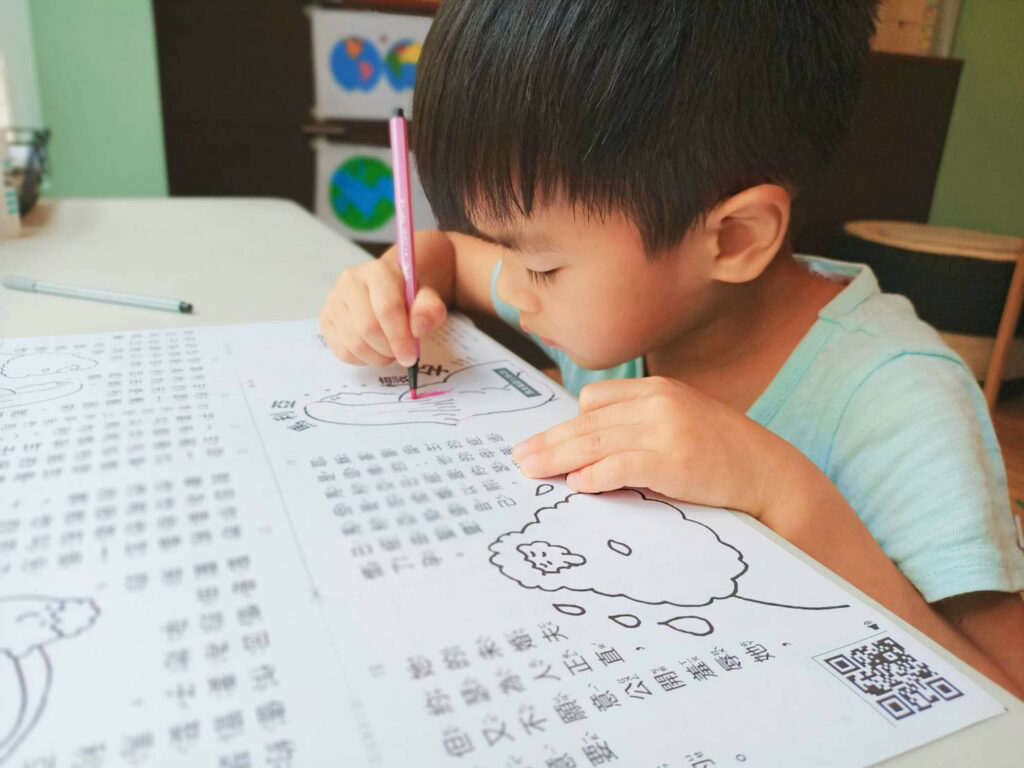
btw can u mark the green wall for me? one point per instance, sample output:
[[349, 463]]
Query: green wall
[[100, 95], [981, 179]]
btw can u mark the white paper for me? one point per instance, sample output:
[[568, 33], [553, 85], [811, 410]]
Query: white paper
[[355, 192], [222, 546], [364, 63]]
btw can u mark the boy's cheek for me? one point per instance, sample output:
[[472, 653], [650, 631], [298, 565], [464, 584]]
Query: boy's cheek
[[598, 329]]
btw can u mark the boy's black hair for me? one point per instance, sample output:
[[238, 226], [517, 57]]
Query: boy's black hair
[[658, 109]]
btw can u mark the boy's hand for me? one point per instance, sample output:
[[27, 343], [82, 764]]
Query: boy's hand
[[365, 322], [660, 434]]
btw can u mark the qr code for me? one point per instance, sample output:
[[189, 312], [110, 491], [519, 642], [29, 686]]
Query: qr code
[[883, 672]]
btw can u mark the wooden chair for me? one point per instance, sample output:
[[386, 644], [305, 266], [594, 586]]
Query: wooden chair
[[931, 265], [1005, 334]]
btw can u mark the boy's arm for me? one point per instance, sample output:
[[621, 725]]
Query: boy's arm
[[809, 511], [994, 622]]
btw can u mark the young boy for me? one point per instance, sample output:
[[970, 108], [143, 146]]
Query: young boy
[[615, 177]]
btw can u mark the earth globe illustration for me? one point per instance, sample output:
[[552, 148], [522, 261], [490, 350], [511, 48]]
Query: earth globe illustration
[[400, 64], [362, 193], [356, 64]]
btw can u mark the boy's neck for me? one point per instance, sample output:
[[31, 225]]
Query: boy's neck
[[752, 329]]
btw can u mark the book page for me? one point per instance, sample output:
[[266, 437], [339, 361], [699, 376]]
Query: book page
[[223, 546]]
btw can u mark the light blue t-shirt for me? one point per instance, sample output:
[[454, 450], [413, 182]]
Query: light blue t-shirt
[[896, 420]]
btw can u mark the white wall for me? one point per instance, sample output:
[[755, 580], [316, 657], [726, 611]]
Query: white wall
[[19, 90]]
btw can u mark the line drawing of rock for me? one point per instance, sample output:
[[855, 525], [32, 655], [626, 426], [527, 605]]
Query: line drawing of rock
[[481, 389], [28, 625], [582, 544], [617, 546], [569, 609], [691, 625]]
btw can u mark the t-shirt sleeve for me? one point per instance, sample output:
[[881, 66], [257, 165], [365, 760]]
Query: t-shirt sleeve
[[916, 456]]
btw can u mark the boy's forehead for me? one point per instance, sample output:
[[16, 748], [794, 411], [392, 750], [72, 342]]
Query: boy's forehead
[[520, 234], [542, 230], [516, 239]]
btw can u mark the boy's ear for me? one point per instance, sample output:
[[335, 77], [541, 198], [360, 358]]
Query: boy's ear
[[746, 231]]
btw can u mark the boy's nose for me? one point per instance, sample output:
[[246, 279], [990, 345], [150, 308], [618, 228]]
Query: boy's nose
[[513, 287]]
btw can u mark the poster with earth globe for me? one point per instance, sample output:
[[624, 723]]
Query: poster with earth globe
[[364, 62], [355, 192]]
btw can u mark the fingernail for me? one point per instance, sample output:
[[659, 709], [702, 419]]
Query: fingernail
[[417, 326], [519, 451], [571, 478], [407, 361], [528, 465]]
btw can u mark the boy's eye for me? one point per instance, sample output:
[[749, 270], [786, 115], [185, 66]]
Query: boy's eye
[[540, 278]]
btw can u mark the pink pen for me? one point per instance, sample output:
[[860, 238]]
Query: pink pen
[[403, 221]]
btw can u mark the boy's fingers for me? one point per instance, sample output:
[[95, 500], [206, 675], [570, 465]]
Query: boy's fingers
[[427, 313], [363, 322], [333, 341], [574, 453], [603, 393], [634, 469], [363, 353], [388, 302], [584, 424]]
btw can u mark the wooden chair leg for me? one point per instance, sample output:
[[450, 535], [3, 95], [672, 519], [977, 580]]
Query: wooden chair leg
[[1004, 336]]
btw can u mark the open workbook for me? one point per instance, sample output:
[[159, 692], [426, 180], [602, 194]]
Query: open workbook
[[223, 547]]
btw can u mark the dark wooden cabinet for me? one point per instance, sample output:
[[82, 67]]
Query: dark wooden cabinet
[[237, 87]]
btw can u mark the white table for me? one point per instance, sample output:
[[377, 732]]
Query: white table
[[241, 260], [236, 260]]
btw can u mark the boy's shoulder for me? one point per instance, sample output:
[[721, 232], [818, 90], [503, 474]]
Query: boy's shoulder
[[863, 330], [870, 360], [864, 317]]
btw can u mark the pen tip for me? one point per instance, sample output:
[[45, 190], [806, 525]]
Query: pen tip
[[185, 307], [413, 390], [399, 112]]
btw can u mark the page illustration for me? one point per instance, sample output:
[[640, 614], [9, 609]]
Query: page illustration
[[659, 557], [28, 626], [477, 390], [39, 377]]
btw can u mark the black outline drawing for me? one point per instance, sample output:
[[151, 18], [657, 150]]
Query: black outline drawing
[[627, 620], [549, 558], [620, 548], [30, 364], [501, 551], [28, 623], [382, 408], [543, 488], [569, 609], [706, 625], [16, 395], [30, 394]]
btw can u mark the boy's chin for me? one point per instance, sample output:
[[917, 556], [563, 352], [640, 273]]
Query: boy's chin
[[594, 362]]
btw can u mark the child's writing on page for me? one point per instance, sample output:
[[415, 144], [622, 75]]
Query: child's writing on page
[[615, 178]]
